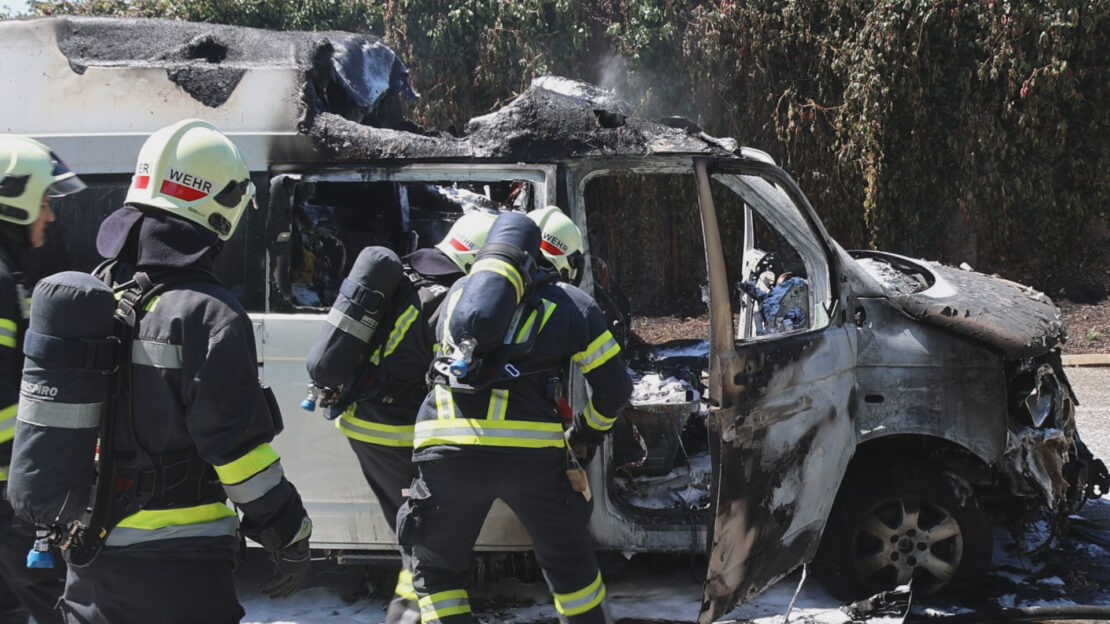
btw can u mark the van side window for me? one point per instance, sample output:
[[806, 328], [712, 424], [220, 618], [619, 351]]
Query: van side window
[[330, 222]]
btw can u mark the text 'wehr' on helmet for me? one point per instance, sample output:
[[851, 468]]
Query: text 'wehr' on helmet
[[561, 242], [190, 169], [465, 237], [30, 172]]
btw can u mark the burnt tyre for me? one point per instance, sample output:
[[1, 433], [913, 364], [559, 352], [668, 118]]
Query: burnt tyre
[[894, 522]]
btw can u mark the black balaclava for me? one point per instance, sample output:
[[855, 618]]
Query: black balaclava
[[150, 238]]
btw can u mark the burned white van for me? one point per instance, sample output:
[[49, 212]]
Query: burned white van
[[865, 411]]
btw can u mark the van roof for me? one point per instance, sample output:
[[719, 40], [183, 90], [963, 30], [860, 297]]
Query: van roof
[[93, 88]]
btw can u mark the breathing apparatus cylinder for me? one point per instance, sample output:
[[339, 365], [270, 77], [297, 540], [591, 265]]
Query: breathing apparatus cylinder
[[71, 354], [365, 298], [499, 280]]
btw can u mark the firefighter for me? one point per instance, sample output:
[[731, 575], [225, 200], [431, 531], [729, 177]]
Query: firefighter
[[30, 174], [507, 441], [380, 426], [199, 421]]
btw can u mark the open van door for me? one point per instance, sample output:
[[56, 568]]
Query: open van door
[[780, 383]]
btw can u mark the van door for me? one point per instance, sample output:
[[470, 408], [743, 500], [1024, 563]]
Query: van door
[[318, 223], [780, 380]]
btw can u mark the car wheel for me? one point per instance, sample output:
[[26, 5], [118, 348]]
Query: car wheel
[[895, 523]]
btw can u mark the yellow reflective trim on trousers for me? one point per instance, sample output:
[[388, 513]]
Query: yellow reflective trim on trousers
[[434, 607], [153, 303], [7, 422], [3, 473], [581, 601], [400, 328], [481, 432], [445, 403], [404, 587], [596, 419], [504, 269], [600, 351], [153, 519], [498, 404], [248, 465], [8, 332], [375, 433]]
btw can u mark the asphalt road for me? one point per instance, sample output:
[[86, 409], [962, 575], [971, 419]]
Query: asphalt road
[[1092, 388]]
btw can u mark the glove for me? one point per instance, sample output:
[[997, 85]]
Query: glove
[[582, 447], [290, 566]]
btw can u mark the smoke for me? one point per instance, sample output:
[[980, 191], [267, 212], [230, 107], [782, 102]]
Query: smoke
[[613, 74]]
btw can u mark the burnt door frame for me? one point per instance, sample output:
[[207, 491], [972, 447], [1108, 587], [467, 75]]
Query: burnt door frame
[[781, 431]]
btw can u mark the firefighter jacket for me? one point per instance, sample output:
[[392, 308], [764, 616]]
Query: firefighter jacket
[[14, 309], [395, 385], [520, 414], [198, 410]]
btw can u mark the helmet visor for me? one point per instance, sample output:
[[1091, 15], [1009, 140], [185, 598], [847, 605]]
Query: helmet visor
[[65, 181], [232, 194]]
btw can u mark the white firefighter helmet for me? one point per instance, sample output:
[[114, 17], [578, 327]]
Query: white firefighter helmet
[[465, 237], [29, 172], [192, 170], [561, 242]]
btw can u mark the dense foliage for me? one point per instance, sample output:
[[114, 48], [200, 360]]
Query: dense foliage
[[963, 130]]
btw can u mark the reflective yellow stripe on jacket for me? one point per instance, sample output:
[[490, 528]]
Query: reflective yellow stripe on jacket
[[251, 476], [595, 419], [600, 351], [400, 328], [148, 525], [373, 432], [477, 431]]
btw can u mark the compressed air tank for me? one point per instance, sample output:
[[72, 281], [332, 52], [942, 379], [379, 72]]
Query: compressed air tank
[[498, 281], [71, 354], [365, 299]]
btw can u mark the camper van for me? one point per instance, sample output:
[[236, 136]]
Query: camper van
[[868, 412]]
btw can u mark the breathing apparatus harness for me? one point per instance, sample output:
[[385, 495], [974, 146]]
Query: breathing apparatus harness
[[461, 368], [128, 476]]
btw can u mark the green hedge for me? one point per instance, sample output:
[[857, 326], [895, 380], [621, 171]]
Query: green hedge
[[960, 130]]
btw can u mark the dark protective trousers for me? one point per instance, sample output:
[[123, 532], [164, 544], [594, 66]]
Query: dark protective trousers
[[120, 589], [390, 472], [25, 590], [441, 520]]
